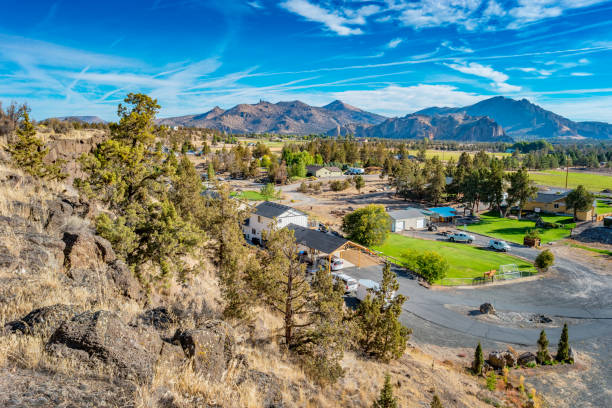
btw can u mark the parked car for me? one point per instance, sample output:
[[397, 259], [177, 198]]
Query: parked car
[[461, 237], [365, 287], [336, 263], [499, 245], [350, 284]]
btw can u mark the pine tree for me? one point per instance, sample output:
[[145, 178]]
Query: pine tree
[[543, 357], [478, 360], [380, 332], [563, 347], [386, 399], [211, 172], [435, 402], [29, 151]]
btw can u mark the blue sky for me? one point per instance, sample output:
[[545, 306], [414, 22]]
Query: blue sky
[[390, 56]]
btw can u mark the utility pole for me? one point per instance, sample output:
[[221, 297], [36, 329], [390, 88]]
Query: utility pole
[[566, 173]]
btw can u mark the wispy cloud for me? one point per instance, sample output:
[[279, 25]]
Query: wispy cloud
[[333, 20], [394, 43], [485, 71], [458, 48], [581, 74]]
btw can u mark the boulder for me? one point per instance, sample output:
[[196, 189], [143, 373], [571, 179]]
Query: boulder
[[572, 356], [102, 337], [86, 250], [43, 320], [210, 347], [160, 319], [500, 359], [124, 280], [540, 318], [487, 308], [526, 358], [268, 386]]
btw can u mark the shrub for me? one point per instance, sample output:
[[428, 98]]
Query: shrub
[[431, 266], [491, 381], [563, 347], [533, 234], [339, 185], [478, 360], [544, 260], [543, 356]]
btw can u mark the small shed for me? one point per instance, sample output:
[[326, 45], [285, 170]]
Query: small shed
[[410, 218], [443, 214]]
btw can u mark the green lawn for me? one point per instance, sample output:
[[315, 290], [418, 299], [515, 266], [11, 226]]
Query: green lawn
[[592, 182], [466, 261], [514, 230], [251, 195], [603, 207]]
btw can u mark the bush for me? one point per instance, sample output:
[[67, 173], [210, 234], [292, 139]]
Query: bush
[[339, 185], [491, 381], [368, 226], [544, 260], [533, 234], [431, 266]]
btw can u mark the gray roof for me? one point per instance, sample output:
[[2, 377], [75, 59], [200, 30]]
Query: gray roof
[[269, 209], [314, 167], [406, 214], [550, 196], [333, 169], [316, 239]]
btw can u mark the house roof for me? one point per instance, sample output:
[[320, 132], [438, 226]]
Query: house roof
[[316, 239], [334, 169], [444, 211], [550, 196], [406, 214], [269, 209], [313, 167]]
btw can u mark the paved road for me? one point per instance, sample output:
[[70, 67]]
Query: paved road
[[572, 290]]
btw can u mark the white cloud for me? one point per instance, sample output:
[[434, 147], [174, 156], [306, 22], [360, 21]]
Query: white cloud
[[394, 43], [398, 100], [458, 48], [255, 4], [581, 74], [334, 21], [485, 71]]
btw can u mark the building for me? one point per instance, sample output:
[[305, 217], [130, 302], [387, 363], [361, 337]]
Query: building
[[410, 218], [323, 171], [266, 214], [553, 201], [316, 243]]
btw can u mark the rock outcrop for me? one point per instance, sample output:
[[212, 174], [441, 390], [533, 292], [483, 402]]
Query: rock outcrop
[[43, 321]]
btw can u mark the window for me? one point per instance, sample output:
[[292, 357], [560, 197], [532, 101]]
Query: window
[[259, 219], [556, 205], [253, 231]]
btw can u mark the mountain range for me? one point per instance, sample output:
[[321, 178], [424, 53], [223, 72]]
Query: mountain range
[[491, 120], [82, 119], [283, 117]]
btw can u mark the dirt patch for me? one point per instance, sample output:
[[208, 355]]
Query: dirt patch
[[599, 263], [359, 258], [520, 320]]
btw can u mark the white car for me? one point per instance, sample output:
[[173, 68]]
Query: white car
[[350, 284], [461, 237], [336, 263], [499, 245]]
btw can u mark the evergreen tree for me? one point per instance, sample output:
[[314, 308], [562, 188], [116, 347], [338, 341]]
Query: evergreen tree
[[28, 152], [543, 356], [129, 173], [380, 332], [386, 399], [437, 181], [579, 199], [563, 347], [435, 402], [210, 172], [478, 362], [359, 183], [521, 189]]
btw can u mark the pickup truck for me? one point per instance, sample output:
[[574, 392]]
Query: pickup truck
[[499, 245], [461, 237]]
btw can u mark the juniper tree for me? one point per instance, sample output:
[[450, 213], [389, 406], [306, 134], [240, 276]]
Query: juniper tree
[[386, 398], [579, 199], [28, 151], [359, 183], [131, 175], [521, 189], [210, 172], [543, 356], [478, 360], [563, 347], [380, 332]]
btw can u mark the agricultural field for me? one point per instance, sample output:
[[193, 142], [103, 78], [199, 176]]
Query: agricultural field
[[554, 178], [465, 261], [513, 230]]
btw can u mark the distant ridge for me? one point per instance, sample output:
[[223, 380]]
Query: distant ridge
[[294, 117], [82, 119], [522, 119]]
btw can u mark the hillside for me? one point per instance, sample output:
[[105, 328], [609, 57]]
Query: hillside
[[82, 119], [454, 126], [522, 119], [283, 117]]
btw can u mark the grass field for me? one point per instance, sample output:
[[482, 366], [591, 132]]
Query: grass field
[[603, 207], [465, 261], [250, 195], [592, 182], [514, 230], [449, 154]]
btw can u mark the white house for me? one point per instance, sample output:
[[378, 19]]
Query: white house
[[266, 214], [410, 218]]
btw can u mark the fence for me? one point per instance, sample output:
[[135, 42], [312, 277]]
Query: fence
[[479, 280]]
